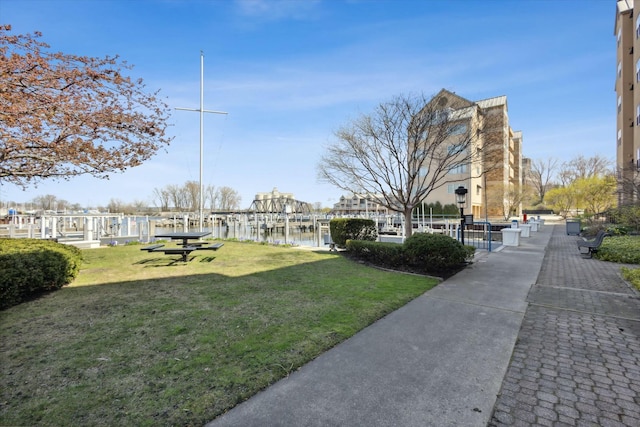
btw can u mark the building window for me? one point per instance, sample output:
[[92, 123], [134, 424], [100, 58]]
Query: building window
[[638, 26], [459, 169], [638, 115], [451, 188], [619, 103], [619, 69], [620, 32], [478, 189], [458, 129], [619, 136], [455, 149], [441, 116]]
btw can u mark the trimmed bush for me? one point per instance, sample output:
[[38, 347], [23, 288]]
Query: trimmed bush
[[29, 267], [382, 254], [343, 229], [421, 253], [435, 252]]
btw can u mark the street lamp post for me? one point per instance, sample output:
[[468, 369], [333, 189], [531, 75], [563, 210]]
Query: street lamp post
[[461, 198]]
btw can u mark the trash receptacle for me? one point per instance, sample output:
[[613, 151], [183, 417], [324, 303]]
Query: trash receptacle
[[573, 227], [514, 223]]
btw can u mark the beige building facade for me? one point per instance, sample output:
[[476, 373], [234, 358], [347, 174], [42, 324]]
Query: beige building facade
[[495, 175], [627, 32], [491, 178], [359, 204]]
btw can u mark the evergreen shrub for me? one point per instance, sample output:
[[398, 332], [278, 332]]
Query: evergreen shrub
[[382, 254], [421, 253], [343, 229], [29, 267], [435, 252]]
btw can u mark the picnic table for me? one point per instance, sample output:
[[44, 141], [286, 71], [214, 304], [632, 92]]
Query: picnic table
[[186, 246], [184, 236]]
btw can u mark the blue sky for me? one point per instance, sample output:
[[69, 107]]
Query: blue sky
[[290, 73]]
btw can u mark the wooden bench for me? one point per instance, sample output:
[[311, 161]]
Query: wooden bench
[[592, 245], [151, 248], [210, 248]]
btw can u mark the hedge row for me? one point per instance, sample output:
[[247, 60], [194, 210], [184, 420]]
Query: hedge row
[[29, 267], [424, 253], [343, 229]]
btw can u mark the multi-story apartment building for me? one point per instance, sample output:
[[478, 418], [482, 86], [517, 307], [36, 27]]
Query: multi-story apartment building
[[492, 178], [358, 204], [627, 32]]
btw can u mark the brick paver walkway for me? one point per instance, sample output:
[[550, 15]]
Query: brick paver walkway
[[577, 358]]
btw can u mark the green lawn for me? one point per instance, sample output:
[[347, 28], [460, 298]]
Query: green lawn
[[139, 339]]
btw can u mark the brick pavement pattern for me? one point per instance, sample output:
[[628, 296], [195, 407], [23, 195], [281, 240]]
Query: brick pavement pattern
[[576, 361]]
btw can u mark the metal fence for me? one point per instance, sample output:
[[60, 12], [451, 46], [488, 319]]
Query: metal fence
[[478, 235]]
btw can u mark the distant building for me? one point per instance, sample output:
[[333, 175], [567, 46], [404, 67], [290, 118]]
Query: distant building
[[358, 204], [493, 179], [627, 32], [274, 195]]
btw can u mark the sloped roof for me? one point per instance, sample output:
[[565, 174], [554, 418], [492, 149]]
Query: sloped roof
[[493, 102], [453, 99], [624, 5]]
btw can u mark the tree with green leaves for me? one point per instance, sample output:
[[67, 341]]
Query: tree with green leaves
[[561, 200]]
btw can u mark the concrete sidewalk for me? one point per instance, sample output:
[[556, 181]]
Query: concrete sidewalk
[[439, 360]]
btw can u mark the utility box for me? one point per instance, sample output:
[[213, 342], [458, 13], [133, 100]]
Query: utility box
[[573, 227]]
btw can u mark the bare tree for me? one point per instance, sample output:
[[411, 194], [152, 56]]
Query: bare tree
[[176, 196], [583, 167], [191, 191], [403, 151], [228, 199], [46, 202], [508, 199], [540, 175], [116, 206], [161, 197], [140, 205], [210, 197]]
